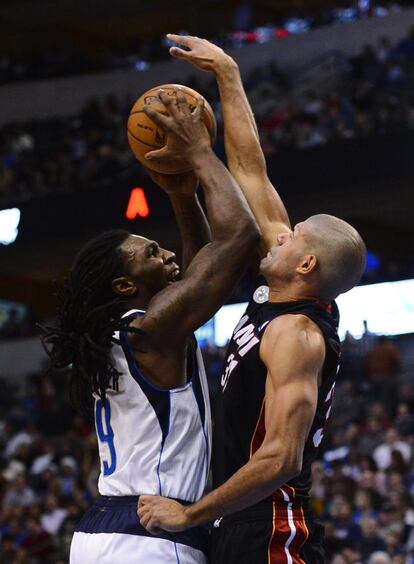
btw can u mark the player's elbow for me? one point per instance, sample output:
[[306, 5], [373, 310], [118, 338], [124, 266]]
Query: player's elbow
[[286, 466], [292, 468]]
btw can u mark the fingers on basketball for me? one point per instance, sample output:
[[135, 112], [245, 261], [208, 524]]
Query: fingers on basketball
[[157, 117], [158, 154], [182, 102]]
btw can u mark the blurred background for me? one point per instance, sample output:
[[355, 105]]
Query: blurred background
[[332, 87]]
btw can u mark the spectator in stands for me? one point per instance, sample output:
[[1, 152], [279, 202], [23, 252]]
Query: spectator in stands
[[379, 557], [344, 527], [383, 454], [404, 420], [370, 540], [54, 468], [364, 506], [38, 544], [382, 366], [68, 154], [53, 516], [19, 494]]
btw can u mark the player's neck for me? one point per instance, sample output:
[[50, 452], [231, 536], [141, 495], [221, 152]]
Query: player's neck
[[289, 294], [139, 302]]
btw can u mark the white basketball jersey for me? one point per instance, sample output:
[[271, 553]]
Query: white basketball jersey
[[153, 440]]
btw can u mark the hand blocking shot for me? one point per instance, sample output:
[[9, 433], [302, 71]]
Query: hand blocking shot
[[279, 375], [125, 327]]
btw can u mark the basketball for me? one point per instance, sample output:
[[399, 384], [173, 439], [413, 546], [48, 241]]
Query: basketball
[[145, 136]]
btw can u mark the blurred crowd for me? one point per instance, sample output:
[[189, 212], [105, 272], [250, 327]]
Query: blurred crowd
[[363, 482], [16, 322], [374, 96], [64, 154], [140, 54]]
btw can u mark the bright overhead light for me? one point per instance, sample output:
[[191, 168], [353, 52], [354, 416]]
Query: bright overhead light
[[9, 222]]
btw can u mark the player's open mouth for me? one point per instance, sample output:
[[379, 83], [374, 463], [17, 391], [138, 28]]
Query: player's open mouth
[[173, 274]]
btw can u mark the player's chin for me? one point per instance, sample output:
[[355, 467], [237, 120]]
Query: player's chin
[[172, 278], [264, 264]]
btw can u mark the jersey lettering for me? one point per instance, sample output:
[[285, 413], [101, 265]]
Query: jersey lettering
[[106, 436], [318, 436], [231, 365], [246, 339]]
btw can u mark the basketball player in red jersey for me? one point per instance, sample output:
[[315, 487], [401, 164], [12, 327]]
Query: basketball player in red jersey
[[279, 376]]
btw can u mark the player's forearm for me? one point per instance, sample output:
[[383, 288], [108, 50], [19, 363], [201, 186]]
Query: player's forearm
[[192, 224], [241, 137], [245, 157], [228, 212], [255, 481]]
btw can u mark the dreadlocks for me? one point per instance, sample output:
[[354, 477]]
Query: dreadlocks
[[87, 315]]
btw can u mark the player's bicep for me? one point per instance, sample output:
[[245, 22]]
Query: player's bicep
[[294, 353], [290, 410]]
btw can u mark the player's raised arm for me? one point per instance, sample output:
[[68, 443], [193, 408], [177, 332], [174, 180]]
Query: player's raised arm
[[182, 307], [245, 157], [191, 220]]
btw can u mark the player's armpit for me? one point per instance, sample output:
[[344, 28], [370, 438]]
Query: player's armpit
[[293, 350]]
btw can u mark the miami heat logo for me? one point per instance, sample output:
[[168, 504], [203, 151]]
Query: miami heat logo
[[245, 338]]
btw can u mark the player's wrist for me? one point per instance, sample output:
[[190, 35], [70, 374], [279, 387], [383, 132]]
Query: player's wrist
[[198, 154], [192, 516], [225, 66]]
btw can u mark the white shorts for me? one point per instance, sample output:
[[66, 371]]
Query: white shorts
[[114, 548], [110, 533]]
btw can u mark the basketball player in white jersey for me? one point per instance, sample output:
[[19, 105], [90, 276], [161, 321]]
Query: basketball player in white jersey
[[125, 324]]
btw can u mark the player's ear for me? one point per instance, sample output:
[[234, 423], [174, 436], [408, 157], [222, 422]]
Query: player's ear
[[307, 264], [124, 286]]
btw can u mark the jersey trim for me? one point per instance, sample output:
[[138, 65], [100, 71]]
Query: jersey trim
[[259, 431], [160, 401], [133, 364]]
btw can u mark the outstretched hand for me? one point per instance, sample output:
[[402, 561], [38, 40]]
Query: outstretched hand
[[187, 133], [199, 52], [158, 514], [185, 183]]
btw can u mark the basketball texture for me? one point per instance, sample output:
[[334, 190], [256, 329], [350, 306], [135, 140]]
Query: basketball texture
[[144, 135]]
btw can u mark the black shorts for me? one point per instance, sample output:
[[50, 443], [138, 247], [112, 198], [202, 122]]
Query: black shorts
[[256, 537]]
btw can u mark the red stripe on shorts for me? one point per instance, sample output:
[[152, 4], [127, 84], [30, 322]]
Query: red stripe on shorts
[[289, 528]]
